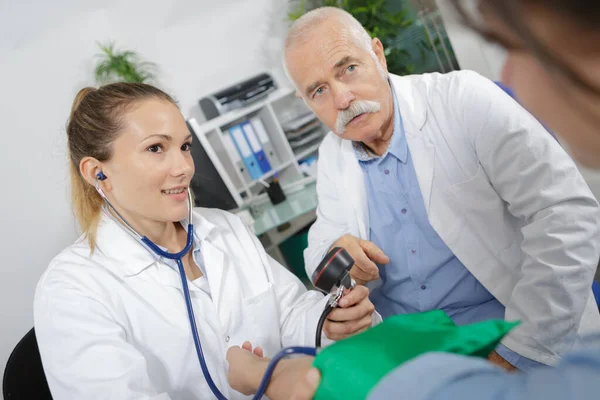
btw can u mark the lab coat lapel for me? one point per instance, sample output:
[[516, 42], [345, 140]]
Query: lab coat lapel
[[224, 284], [423, 158], [355, 187], [422, 149], [214, 262]]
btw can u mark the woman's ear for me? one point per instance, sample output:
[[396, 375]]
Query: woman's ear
[[91, 170]]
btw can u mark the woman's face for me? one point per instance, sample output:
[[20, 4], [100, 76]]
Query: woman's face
[[151, 167], [566, 108]]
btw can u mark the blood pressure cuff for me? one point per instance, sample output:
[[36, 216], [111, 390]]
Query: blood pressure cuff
[[352, 367]]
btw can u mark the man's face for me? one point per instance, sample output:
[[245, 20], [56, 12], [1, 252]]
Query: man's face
[[341, 82]]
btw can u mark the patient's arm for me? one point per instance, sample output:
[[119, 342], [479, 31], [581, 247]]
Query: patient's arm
[[246, 371]]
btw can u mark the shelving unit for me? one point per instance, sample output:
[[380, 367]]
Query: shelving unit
[[275, 112]]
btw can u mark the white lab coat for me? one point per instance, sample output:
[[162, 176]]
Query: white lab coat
[[114, 325], [500, 192]]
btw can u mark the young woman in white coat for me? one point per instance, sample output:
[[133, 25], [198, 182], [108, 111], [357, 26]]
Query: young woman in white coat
[[110, 316]]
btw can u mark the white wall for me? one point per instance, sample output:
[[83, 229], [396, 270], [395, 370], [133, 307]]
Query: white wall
[[476, 54], [46, 54]]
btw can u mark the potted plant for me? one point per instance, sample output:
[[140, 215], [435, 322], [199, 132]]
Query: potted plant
[[122, 66]]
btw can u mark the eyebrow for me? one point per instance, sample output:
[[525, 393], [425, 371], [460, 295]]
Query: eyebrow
[[345, 60], [165, 136]]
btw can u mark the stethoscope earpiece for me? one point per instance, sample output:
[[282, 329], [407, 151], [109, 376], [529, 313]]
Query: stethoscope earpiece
[[100, 177]]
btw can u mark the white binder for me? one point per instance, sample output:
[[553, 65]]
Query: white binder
[[235, 156], [263, 136]]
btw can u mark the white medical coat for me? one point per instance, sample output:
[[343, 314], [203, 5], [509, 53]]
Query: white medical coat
[[502, 194], [113, 325]]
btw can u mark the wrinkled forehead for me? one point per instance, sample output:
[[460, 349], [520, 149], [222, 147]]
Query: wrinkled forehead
[[318, 54]]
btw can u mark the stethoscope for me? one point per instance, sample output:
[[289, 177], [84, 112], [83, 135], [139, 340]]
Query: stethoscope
[[311, 351]]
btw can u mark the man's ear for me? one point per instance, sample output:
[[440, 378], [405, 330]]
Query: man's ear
[[377, 47]]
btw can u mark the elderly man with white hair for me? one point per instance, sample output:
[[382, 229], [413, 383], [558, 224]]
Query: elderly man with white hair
[[447, 193]]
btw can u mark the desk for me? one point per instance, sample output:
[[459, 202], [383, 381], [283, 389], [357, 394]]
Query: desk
[[296, 212]]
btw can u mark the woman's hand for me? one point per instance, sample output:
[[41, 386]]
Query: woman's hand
[[353, 315], [246, 368]]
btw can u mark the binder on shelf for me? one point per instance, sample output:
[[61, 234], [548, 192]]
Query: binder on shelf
[[261, 132], [239, 139], [257, 149], [235, 156]]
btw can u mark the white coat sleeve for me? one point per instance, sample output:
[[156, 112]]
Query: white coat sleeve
[[299, 308], [84, 351], [542, 186], [331, 223]]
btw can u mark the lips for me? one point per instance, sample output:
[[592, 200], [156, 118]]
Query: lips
[[355, 118]]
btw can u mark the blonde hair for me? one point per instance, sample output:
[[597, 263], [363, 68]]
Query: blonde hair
[[95, 121]]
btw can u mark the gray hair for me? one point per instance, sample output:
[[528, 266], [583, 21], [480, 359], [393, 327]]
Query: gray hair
[[300, 29]]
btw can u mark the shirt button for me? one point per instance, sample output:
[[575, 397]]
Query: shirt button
[[387, 172], [404, 211], [413, 251], [423, 287], [227, 339]]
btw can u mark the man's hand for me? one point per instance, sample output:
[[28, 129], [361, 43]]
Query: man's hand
[[366, 255], [497, 359], [246, 367], [354, 314]]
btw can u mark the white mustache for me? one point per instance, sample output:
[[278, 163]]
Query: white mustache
[[355, 109]]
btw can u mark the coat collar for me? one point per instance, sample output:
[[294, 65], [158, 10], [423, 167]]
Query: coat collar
[[414, 105], [413, 108], [128, 253]]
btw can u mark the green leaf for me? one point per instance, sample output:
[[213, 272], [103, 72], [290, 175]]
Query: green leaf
[[359, 10], [298, 12], [121, 66]]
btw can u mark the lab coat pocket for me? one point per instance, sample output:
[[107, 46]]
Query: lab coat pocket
[[484, 212], [476, 196], [263, 316]]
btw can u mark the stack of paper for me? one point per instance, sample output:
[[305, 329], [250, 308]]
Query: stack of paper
[[303, 131]]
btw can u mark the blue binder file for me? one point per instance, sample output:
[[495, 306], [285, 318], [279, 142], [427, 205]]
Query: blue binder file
[[245, 152], [256, 147]]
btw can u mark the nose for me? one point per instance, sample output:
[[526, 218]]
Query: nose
[[183, 164], [343, 97]]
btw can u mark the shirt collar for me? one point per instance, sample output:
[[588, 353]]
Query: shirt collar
[[130, 254], [397, 146]]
